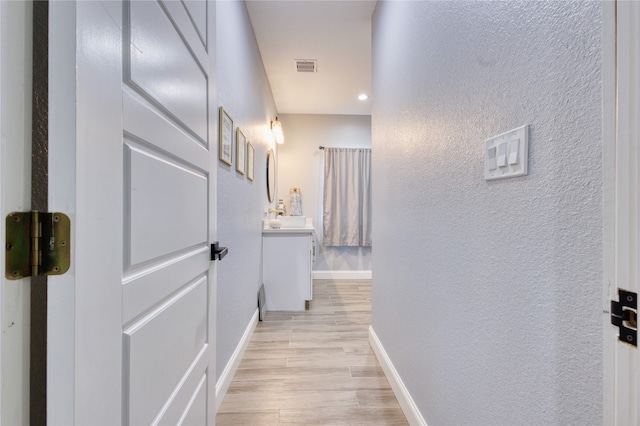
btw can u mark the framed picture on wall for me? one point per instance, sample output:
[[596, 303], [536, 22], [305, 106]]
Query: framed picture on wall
[[241, 149], [225, 147], [250, 154]]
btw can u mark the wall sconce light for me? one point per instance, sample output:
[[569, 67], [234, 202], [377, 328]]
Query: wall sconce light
[[276, 129]]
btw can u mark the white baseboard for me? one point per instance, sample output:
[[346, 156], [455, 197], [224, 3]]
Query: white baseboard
[[411, 412], [230, 370], [341, 275]]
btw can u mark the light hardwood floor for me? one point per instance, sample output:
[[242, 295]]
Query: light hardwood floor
[[314, 367]]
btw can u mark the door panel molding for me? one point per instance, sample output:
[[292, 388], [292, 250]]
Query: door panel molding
[[187, 27], [150, 68], [151, 287], [166, 205], [197, 11], [144, 123], [160, 348]]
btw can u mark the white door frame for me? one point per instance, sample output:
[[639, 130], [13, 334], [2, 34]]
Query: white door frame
[[608, 168], [621, 202], [15, 195]]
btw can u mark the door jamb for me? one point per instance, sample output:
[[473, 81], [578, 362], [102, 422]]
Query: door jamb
[[15, 191], [39, 201], [621, 200], [609, 199]]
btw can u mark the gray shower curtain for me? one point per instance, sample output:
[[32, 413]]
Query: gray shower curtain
[[346, 215]]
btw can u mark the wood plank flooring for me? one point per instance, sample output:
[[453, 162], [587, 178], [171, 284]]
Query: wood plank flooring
[[314, 367]]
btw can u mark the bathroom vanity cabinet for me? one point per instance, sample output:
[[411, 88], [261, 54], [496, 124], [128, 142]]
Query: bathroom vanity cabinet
[[287, 260]]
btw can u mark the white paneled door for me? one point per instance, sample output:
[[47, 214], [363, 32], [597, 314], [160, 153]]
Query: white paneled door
[[133, 120]]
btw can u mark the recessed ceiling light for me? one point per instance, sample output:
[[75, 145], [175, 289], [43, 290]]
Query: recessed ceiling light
[[363, 97]]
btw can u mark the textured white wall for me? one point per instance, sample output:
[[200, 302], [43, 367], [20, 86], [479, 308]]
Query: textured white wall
[[301, 164], [243, 90], [487, 295]]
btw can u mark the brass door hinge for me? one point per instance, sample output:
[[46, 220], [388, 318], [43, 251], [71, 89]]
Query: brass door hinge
[[37, 244]]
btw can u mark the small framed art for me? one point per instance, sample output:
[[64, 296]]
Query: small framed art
[[241, 149], [225, 147], [250, 154]]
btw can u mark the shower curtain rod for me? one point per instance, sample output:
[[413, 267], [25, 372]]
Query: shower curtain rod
[[321, 147]]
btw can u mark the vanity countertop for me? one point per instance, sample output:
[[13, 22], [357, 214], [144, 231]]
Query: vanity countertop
[[305, 230]]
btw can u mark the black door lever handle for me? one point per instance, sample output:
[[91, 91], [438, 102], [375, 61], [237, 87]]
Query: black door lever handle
[[217, 252]]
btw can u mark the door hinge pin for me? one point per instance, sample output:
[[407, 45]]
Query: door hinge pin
[[36, 234]]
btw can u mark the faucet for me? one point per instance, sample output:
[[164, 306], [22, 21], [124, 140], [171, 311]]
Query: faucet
[[279, 212]]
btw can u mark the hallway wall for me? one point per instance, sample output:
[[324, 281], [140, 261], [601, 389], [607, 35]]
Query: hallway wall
[[244, 92], [301, 164], [487, 295]]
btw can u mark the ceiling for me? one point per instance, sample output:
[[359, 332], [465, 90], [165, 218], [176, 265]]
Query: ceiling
[[336, 33]]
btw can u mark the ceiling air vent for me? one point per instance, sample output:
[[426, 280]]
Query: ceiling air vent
[[306, 65]]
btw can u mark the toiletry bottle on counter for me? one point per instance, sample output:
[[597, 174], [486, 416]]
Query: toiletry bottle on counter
[[295, 202], [282, 207]]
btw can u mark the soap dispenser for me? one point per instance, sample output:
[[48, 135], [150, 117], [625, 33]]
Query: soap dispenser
[[281, 207]]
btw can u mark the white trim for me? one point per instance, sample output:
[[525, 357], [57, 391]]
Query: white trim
[[341, 275], [621, 205], [230, 370], [609, 216], [411, 412], [15, 195]]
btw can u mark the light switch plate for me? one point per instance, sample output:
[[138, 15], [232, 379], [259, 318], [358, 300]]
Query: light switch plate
[[514, 145]]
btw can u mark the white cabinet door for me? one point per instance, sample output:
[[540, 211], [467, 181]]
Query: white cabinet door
[[133, 120], [287, 270]]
